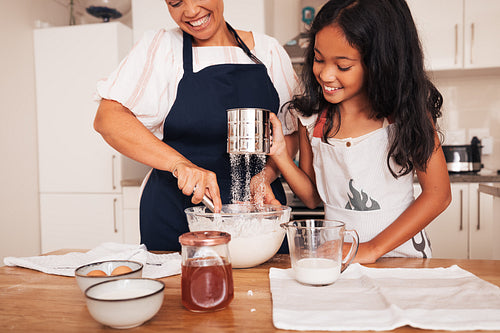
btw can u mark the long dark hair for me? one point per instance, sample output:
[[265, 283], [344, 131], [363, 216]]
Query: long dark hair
[[384, 33]]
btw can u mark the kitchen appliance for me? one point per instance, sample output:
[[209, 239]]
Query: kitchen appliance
[[296, 47], [464, 158], [248, 131], [107, 9]]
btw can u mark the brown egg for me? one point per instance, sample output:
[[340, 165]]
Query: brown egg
[[96, 272], [121, 270]]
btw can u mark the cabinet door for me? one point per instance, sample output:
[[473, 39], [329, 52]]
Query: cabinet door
[[69, 61], [448, 232], [80, 221], [440, 28], [131, 200], [481, 31], [483, 234]]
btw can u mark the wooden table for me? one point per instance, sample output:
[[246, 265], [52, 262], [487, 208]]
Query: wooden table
[[31, 301]]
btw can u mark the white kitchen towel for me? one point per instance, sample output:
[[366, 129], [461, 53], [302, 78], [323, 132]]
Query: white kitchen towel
[[386, 298], [155, 265]]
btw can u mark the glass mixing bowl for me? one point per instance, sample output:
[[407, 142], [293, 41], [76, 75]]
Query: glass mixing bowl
[[255, 230]]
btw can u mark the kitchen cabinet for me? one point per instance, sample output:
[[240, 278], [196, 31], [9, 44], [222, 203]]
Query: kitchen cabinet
[[80, 221], [458, 34], [79, 173], [464, 229], [131, 200]]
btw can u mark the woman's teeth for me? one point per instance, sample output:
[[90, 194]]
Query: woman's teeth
[[200, 22], [331, 88]]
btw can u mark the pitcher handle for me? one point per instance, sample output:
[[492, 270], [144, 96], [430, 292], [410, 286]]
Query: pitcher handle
[[352, 251]]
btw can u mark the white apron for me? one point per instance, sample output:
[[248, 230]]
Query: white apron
[[357, 188]]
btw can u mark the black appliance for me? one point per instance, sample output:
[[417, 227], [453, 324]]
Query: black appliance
[[464, 158]]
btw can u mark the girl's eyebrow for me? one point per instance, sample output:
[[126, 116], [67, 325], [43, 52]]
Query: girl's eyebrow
[[338, 57]]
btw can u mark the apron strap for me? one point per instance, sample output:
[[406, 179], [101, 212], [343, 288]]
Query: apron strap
[[243, 46], [187, 50]]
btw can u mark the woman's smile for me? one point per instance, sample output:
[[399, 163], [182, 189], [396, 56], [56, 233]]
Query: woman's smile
[[200, 23]]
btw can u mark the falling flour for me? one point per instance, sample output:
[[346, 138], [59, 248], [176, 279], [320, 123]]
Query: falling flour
[[242, 168]]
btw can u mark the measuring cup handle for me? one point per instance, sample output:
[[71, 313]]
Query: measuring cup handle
[[352, 251]]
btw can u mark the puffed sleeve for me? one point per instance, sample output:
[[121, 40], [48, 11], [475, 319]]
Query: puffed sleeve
[[284, 79], [145, 81]]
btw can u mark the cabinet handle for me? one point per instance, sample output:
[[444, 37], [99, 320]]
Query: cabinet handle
[[472, 32], [478, 227], [456, 44], [114, 215], [461, 210], [113, 158]]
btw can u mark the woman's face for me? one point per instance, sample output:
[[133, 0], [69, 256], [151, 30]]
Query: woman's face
[[202, 19], [338, 67]]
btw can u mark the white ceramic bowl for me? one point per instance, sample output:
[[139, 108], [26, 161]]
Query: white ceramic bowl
[[84, 281], [255, 230], [125, 303]]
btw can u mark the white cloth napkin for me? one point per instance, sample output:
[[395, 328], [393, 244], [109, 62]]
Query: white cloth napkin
[[386, 298], [155, 265]]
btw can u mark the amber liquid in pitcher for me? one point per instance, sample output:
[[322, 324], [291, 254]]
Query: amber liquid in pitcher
[[207, 285]]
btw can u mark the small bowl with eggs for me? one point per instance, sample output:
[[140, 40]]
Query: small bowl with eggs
[[91, 274]]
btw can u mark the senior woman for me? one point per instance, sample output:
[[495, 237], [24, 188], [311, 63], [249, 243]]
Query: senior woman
[[165, 106]]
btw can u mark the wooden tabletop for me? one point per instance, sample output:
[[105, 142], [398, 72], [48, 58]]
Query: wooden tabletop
[[31, 301]]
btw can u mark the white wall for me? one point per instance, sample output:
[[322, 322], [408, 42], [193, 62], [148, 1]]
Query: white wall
[[19, 208], [471, 102]]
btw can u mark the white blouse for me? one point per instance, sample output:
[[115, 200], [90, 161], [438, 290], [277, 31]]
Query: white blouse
[[146, 80]]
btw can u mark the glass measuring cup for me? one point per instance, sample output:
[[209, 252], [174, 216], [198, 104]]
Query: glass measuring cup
[[316, 250]]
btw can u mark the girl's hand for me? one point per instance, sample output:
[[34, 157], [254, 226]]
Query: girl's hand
[[278, 144], [261, 191], [196, 181], [365, 255]]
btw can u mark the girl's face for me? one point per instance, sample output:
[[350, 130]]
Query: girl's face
[[202, 19], [338, 67]]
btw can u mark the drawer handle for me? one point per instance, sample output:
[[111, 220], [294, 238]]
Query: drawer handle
[[472, 32], [113, 158], [114, 215], [456, 44], [461, 210], [478, 227]]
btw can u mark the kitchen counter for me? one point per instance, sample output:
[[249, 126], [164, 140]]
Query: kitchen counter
[[493, 189], [32, 301], [454, 178]]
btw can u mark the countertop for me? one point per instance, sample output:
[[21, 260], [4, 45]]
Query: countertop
[[493, 189], [454, 178], [32, 301]]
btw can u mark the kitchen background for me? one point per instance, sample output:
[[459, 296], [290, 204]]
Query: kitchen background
[[471, 95]]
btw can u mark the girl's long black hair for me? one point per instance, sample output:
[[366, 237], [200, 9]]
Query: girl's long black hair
[[384, 33]]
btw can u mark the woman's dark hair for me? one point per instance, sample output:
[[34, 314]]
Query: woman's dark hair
[[398, 88]]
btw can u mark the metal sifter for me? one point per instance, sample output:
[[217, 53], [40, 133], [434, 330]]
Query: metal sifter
[[248, 131]]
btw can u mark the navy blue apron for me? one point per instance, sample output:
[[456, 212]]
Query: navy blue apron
[[196, 127]]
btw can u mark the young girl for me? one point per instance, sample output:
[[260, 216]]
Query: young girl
[[368, 116]]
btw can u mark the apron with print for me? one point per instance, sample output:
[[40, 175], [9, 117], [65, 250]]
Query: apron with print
[[357, 188], [196, 126]]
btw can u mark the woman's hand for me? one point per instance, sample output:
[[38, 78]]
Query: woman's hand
[[197, 181]]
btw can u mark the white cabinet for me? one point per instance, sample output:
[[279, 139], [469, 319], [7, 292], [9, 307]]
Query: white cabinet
[[131, 229], [458, 34], [464, 229], [80, 221], [80, 192]]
